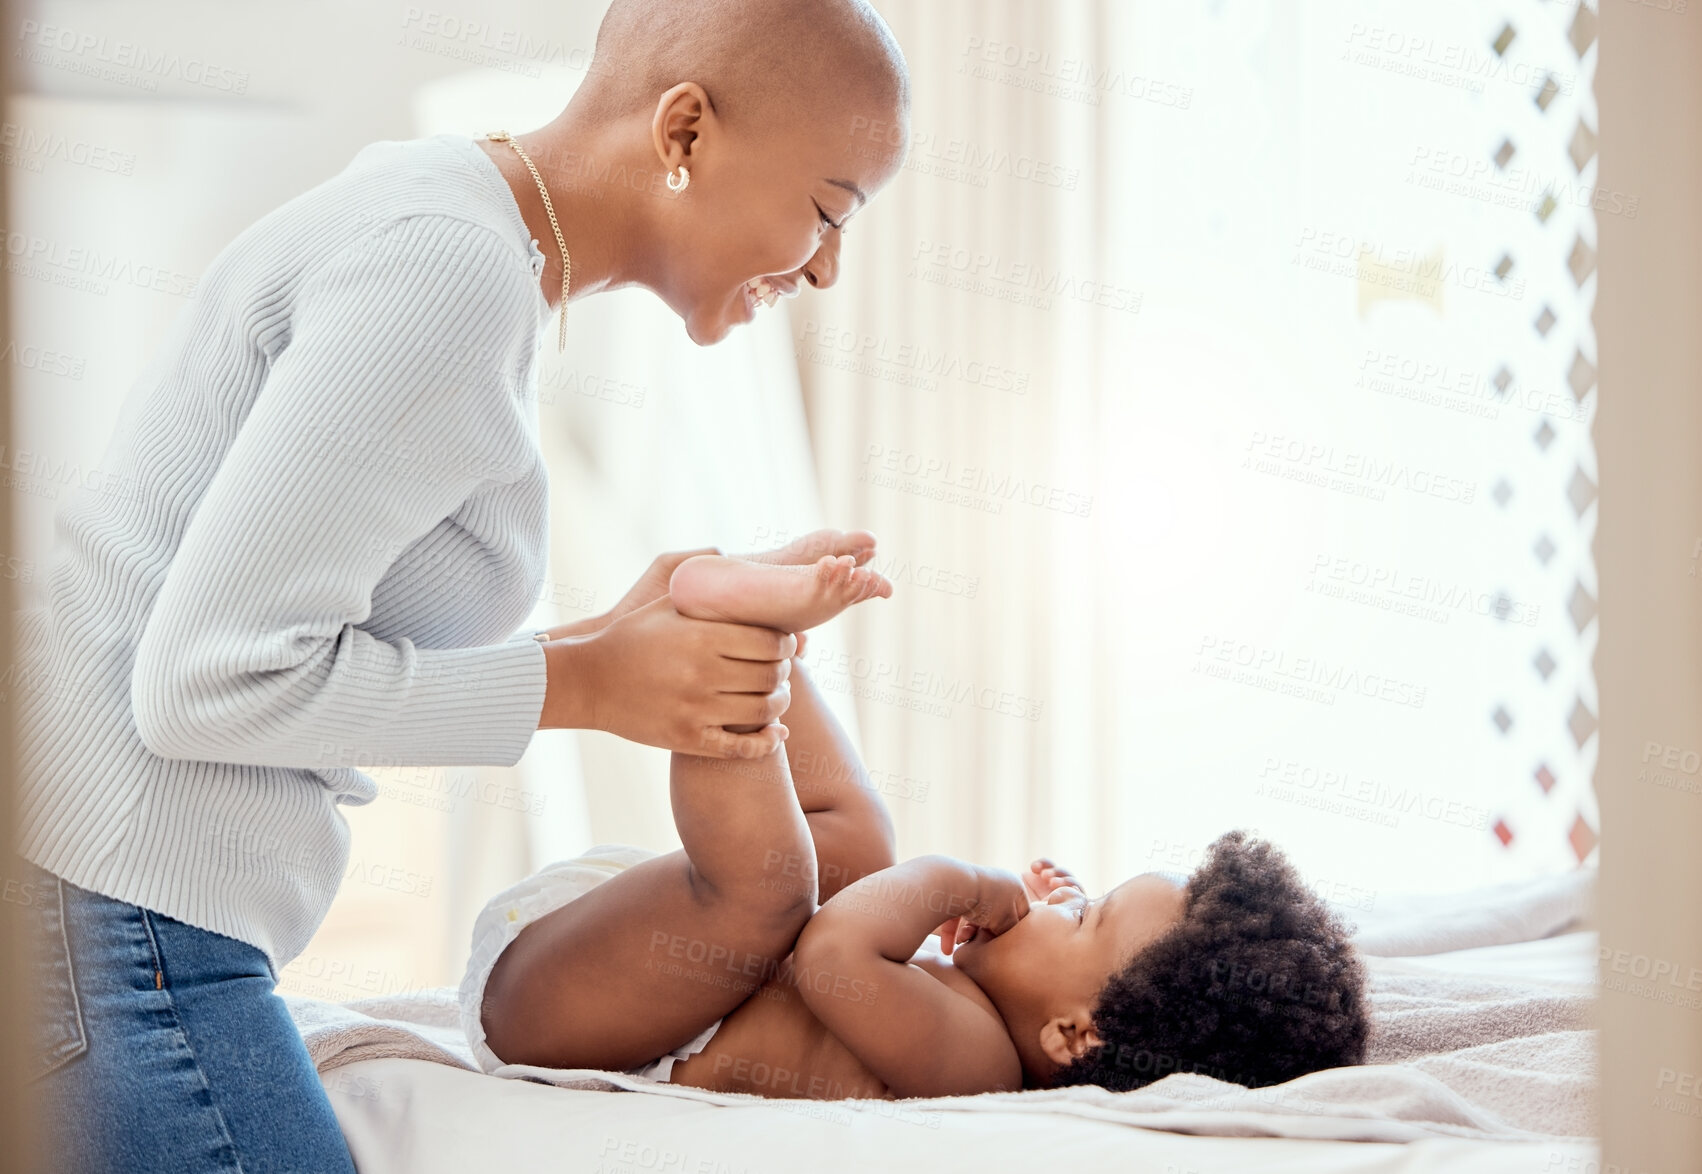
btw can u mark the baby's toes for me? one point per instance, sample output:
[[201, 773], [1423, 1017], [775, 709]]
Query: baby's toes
[[861, 544], [870, 584], [830, 569], [877, 587]]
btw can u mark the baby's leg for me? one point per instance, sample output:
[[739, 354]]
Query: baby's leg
[[649, 958], [849, 823]]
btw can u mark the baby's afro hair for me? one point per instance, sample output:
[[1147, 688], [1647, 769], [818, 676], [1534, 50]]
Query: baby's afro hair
[[1256, 984]]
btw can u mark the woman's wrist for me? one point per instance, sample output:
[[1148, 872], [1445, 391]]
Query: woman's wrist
[[569, 683], [582, 627]]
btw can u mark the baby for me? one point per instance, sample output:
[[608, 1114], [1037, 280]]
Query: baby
[[783, 952]]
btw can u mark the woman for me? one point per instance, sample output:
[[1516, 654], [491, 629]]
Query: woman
[[329, 512]]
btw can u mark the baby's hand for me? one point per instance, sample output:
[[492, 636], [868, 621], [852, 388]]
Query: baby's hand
[[1001, 902], [1043, 876]]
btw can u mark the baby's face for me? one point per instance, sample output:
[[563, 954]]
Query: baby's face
[[1061, 955]]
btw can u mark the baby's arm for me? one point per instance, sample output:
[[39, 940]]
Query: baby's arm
[[918, 1035]]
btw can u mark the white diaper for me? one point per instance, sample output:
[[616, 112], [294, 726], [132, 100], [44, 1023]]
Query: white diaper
[[518, 906]]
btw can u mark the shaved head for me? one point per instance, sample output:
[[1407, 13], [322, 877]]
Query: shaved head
[[756, 59], [717, 151]]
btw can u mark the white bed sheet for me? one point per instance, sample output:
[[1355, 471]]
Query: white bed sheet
[[422, 1118], [425, 1118]]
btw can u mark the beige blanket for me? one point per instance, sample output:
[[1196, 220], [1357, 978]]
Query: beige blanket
[[1451, 1054]]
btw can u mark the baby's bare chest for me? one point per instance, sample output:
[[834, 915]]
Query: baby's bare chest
[[772, 1046]]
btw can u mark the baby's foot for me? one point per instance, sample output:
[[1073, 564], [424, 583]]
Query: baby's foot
[[789, 598], [859, 544]]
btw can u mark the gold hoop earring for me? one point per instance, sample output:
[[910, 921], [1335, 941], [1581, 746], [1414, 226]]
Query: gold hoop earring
[[685, 178]]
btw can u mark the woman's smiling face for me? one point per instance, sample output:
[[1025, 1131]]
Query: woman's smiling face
[[767, 207]]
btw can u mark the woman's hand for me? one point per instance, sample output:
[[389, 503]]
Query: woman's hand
[[653, 583], [651, 586], [1001, 901], [660, 678]]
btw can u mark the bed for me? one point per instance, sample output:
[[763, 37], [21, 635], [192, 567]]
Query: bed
[[1506, 975]]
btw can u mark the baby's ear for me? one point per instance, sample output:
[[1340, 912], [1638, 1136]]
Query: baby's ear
[[1065, 1038]]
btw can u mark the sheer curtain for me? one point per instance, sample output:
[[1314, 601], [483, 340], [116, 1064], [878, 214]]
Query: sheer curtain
[[1216, 380]]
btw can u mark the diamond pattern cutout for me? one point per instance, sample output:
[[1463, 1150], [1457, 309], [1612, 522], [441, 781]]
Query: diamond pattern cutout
[[1502, 378], [1582, 837], [1545, 778], [1582, 723], [1503, 39], [1503, 832], [1546, 207], [1545, 667], [1544, 549], [1581, 491], [1582, 34], [1581, 262], [1581, 376], [1502, 719], [1583, 145], [1582, 607], [1546, 95], [1502, 493], [1544, 435], [1504, 266], [1504, 154], [1545, 321]]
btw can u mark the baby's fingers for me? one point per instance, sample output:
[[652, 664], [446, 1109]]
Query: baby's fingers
[[1051, 876], [948, 933]]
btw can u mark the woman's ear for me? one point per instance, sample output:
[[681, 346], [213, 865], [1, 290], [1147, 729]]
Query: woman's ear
[[1064, 1038], [682, 113]]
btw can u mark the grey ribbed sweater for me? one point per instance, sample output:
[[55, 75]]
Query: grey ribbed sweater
[[317, 524]]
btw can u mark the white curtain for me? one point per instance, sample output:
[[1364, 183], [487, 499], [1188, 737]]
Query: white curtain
[[1162, 341]]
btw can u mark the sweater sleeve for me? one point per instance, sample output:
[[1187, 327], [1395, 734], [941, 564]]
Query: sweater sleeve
[[361, 440]]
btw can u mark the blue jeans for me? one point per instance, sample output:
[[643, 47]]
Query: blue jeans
[[160, 1046]]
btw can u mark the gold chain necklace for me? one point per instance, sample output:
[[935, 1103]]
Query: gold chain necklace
[[502, 136]]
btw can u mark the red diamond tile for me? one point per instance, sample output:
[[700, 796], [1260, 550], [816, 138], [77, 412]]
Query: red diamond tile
[[1503, 832], [1583, 837], [1545, 778]]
